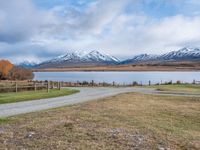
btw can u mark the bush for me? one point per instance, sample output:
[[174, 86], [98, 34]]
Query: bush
[[135, 83], [18, 73], [168, 83]]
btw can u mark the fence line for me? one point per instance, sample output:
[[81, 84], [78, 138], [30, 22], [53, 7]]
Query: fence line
[[11, 86], [29, 86]]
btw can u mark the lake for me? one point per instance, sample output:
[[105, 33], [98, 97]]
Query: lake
[[119, 77]]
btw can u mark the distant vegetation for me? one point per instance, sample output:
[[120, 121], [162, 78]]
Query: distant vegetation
[[10, 72]]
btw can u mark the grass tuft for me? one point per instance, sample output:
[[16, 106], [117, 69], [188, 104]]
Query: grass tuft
[[4, 120]]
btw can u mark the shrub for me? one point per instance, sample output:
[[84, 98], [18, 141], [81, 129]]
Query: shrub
[[135, 83], [18, 73], [168, 83]]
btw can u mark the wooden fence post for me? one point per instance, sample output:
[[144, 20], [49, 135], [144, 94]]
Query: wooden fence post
[[62, 84], [47, 86], [194, 82], [59, 85], [52, 85], [16, 90], [35, 87]]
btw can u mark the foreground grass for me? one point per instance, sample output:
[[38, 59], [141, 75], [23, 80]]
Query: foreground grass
[[3, 120], [194, 88], [32, 95], [127, 121]]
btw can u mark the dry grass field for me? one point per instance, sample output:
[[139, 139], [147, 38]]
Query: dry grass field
[[126, 121], [154, 66]]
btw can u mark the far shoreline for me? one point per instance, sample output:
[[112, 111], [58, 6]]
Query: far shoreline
[[122, 69]]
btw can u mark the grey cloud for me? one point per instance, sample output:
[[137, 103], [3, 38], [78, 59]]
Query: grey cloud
[[19, 20], [19, 52]]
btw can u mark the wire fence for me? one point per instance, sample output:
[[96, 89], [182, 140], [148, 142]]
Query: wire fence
[[13, 86], [6, 87], [20, 86]]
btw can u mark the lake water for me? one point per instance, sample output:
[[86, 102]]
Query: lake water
[[119, 77]]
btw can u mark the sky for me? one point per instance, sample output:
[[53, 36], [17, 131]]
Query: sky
[[38, 30]]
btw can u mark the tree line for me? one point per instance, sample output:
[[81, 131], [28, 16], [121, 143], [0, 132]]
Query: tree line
[[8, 71]]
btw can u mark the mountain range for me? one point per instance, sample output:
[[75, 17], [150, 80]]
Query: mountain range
[[79, 59], [184, 54], [95, 58]]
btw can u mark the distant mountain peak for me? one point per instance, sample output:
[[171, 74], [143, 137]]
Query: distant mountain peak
[[186, 53], [188, 49], [140, 58], [81, 58], [27, 64], [96, 55]]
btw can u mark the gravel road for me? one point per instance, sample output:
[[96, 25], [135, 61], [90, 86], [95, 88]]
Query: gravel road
[[85, 94]]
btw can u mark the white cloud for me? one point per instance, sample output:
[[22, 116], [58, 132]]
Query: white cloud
[[146, 35], [29, 32]]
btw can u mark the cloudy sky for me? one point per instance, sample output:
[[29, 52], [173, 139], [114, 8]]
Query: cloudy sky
[[36, 30]]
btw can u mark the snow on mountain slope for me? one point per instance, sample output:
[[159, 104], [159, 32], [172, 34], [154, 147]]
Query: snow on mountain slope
[[97, 56], [71, 56], [77, 59], [93, 56], [187, 53], [27, 64], [184, 53], [140, 58]]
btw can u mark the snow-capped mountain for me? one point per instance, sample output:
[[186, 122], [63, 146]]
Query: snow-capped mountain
[[140, 58], [93, 56], [77, 59], [97, 56], [72, 56], [182, 54], [27, 64]]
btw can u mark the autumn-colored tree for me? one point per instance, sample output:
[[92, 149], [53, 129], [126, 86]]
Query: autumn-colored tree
[[10, 72], [5, 68]]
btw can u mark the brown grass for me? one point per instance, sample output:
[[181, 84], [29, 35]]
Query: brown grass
[[127, 121], [171, 66]]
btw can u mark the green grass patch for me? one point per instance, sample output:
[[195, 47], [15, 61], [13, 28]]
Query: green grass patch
[[34, 95], [3, 120]]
